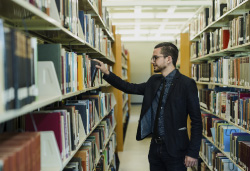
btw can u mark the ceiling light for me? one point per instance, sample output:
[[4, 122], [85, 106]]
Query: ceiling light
[[152, 38]]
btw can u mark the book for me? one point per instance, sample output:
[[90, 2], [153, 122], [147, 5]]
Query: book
[[52, 52], [45, 121]]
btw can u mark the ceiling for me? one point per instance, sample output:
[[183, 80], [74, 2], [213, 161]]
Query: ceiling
[[149, 20]]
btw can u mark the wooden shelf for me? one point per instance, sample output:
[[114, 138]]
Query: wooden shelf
[[209, 167], [243, 129], [88, 7], [212, 56], [222, 85], [227, 154], [224, 19]]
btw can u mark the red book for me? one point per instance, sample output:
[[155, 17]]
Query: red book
[[46, 121], [225, 35]]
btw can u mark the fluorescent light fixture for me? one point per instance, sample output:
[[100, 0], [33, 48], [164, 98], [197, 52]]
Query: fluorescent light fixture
[[131, 15], [150, 15], [149, 39], [144, 3], [175, 15], [171, 10], [146, 23], [137, 10], [166, 31]]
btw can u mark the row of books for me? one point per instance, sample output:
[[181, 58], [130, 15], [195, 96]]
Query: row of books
[[67, 120], [103, 13], [18, 69], [237, 33], [74, 72], [94, 153], [43, 5], [228, 138], [69, 16], [67, 11], [213, 157], [229, 105], [20, 151], [81, 24], [225, 70], [94, 34], [208, 15]]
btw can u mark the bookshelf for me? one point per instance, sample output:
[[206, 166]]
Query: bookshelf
[[243, 129], [227, 154], [204, 54], [202, 157], [23, 16], [223, 20], [184, 64]]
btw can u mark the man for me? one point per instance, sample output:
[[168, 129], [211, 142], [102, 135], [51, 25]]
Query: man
[[169, 97]]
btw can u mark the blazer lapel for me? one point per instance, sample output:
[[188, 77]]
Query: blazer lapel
[[175, 79], [151, 94]]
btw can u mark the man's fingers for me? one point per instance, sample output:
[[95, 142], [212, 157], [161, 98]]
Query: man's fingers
[[98, 66], [100, 62], [189, 162]]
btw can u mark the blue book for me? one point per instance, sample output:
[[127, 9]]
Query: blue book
[[81, 18], [87, 28], [67, 73], [227, 130], [83, 108]]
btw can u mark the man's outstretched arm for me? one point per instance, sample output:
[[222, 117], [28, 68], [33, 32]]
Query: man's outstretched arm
[[118, 83]]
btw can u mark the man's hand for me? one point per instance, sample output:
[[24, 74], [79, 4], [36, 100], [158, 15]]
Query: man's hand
[[102, 67], [190, 162]]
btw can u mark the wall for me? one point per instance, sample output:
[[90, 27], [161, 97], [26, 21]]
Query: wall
[[140, 58]]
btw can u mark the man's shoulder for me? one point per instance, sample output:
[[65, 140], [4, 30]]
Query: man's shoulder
[[185, 79]]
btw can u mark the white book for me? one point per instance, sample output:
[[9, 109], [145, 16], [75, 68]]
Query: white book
[[63, 153], [69, 132], [225, 71]]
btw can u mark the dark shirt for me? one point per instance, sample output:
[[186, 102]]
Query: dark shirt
[[168, 79]]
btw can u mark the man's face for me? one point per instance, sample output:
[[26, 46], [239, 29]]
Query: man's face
[[159, 61]]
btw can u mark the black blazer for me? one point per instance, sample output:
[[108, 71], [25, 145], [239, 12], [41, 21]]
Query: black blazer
[[182, 99]]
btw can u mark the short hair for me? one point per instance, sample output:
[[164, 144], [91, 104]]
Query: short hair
[[169, 49]]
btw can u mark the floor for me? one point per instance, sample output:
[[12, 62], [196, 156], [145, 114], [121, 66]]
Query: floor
[[135, 153]]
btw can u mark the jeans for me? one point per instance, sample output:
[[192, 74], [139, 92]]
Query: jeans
[[161, 160]]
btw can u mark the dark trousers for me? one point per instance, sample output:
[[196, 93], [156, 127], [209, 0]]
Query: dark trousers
[[161, 160]]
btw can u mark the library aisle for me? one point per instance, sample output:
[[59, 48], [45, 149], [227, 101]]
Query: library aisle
[[135, 153]]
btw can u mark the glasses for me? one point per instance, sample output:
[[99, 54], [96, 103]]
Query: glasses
[[154, 58]]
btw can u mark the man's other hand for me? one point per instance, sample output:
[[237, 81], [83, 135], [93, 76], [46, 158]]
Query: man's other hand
[[190, 162]]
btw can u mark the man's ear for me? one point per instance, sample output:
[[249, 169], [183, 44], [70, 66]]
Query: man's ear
[[170, 59]]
